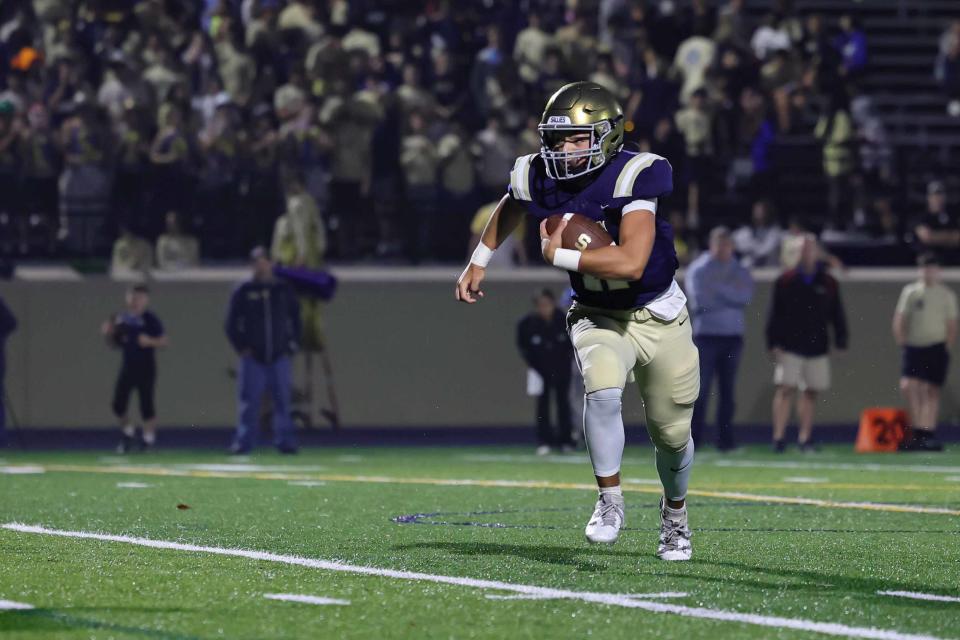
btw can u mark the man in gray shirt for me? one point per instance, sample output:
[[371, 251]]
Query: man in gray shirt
[[718, 289]]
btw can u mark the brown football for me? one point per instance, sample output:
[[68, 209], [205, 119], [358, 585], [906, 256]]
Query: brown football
[[581, 233]]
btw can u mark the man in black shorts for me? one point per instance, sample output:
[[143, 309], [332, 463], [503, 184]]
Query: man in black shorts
[[925, 326], [138, 333]]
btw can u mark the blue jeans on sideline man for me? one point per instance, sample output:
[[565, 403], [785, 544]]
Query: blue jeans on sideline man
[[720, 355], [254, 379]]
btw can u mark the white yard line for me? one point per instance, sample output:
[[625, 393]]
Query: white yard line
[[913, 595], [293, 597], [612, 599], [247, 468], [21, 470], [513, 457], [307, 483], [842, 466], [636, 596], [6, 605], [805, 480], [133, 485]]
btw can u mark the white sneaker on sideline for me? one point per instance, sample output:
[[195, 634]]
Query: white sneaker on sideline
[[543, 450]]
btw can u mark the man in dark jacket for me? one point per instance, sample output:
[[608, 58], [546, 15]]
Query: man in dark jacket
[[545, 347], [8, 323], [806, 301], [263, 325]]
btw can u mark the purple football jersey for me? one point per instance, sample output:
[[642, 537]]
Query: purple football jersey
[[602, 195]]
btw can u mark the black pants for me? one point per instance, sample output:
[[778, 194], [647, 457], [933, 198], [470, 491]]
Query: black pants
[[143, 378], [557, 433], [719, 355], [3, 409]]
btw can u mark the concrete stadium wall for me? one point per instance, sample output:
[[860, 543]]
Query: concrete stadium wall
[[405, 354]]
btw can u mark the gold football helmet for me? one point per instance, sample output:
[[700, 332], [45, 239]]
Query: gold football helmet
[[577, 108]]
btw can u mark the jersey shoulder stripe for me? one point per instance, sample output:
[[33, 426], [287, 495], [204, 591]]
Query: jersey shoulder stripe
[[520, 177], [631, 171]]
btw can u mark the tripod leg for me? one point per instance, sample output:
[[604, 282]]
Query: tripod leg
[[333, 414]]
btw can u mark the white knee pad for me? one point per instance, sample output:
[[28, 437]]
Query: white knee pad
[[603, 430]]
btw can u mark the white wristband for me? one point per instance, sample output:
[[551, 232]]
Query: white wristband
[[568, 259], [481, 255]]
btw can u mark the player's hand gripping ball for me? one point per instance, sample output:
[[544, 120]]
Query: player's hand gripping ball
[[576, 232]]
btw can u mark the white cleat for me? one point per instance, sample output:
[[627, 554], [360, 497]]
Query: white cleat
[[604, 525], [674, 535]]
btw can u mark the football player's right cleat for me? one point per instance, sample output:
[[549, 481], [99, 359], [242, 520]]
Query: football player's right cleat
[[674, 535], [608, 517]]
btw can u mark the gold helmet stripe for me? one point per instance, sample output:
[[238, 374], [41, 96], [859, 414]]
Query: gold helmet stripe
[[520, 177], [631, 171]]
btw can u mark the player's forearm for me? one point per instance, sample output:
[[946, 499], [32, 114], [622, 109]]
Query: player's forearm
[[899, 335], [940, 237], [502, 223], [613, 263]]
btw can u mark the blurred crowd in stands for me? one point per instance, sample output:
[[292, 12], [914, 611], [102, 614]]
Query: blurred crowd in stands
[[168, 130]]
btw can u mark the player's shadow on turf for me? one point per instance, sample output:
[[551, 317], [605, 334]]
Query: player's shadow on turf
[[49, 620], [567, 556]]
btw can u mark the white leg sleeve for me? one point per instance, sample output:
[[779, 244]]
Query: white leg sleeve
[[603, 430], [674, 470]]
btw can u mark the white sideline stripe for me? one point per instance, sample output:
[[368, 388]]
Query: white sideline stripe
[[636, 596], [613, 599], [650, 481], [245, 467], [805, 480], [919, 596], [292, 597], [22, 470], [10, 604], [843, 466], [869, 506], [307, 483], [133, 485], [510, 457], [952, 478]]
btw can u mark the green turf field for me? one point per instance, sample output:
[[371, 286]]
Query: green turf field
[[464, 543]]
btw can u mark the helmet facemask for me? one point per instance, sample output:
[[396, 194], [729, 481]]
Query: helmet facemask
[[565, 165]]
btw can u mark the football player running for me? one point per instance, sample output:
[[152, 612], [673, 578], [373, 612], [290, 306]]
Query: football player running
[[629, 319]]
